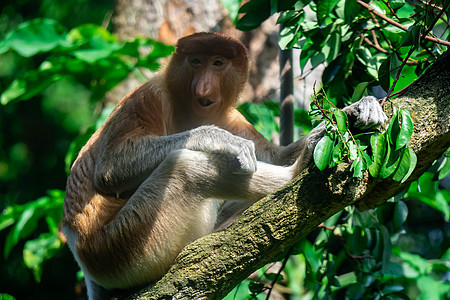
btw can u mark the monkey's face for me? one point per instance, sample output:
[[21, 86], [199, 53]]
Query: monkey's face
[[207, 73]]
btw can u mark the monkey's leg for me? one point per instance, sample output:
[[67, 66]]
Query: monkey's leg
[[175, 206]]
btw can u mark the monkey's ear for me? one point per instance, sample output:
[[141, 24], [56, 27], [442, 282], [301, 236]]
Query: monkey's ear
[[212, 44]]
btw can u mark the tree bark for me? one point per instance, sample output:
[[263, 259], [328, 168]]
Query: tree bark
[[210, 267]]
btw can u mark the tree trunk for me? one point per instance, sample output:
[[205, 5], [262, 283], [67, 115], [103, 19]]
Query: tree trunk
[[210, 267]]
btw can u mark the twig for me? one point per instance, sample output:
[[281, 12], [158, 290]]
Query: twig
[[274, 281], [374, 45], [397, 24], [316, 103], [322, 225], [431, 5], [390, 8]]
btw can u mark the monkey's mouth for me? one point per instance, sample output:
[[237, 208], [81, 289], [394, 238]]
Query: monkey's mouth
[[205, 102]]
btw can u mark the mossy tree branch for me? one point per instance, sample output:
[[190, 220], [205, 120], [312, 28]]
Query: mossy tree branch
[[210, 267]]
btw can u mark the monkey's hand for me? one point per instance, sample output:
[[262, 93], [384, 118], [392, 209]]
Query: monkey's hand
[[237, 153], [366, 113]]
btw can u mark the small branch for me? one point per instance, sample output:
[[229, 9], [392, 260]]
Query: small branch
[[274, 281], [431, 5], [390, 8], [316, 103], [397, 24], [373, 45], [322, 225], [377, 46], [398, 74]]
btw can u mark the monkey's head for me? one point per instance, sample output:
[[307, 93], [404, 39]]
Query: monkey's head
[[207, 73]]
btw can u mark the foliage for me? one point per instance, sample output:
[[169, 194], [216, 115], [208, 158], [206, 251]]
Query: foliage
[[385, 252], [366, 46], [385, 155], [87, 49]]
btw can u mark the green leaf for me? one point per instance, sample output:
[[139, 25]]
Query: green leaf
[[336, 157], [341, 120], [255, 12], [353, 150], [35, 36], [393, 129], [34, 82], [286, 16], [383, 74], [378, 247], [426, 191], [411, 37], [442, 202], [23, 227], [395, 65], [92, 34], [444, 168], [36, 251], [312, 255], [396, 4], [332, 46], [430, 288], [352, 9], [387, 247], [26, 217], [406, 166], [261, 117], [403, 166], [406, 129], [4, 296], [358, 168], [400, 214], [360, 91], [16, 89], [256, 287], [378, 144], [323, 152], [391, 162], [324, 9], [287, 37]]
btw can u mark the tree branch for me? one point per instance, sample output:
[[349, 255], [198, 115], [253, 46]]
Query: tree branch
[[397, 24], [210, 267]]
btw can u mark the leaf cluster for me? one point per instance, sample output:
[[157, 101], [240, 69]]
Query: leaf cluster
[[361, 45], [88, 53], [384, 155]]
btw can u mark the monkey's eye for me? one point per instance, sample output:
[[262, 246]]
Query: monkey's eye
[[196, 61], [218, 62]]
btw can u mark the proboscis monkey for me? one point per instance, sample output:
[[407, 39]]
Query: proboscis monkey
[[146, 183]]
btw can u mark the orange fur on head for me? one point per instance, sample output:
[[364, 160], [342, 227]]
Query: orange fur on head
[[212, 44]]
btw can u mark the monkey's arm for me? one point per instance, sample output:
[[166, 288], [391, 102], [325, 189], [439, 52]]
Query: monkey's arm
[[364, 114], [122, 166]]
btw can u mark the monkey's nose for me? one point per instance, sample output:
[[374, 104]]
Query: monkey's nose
[[202, 90]]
